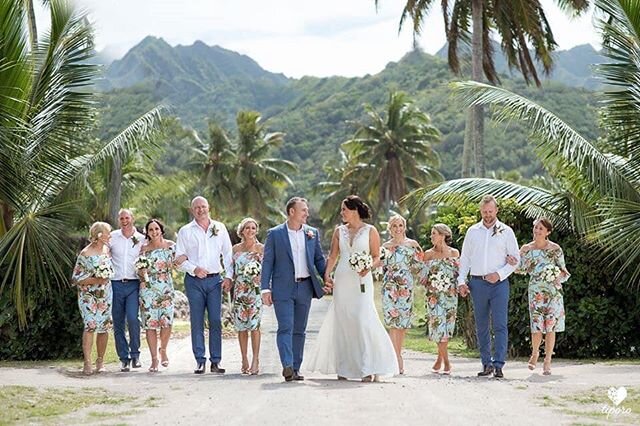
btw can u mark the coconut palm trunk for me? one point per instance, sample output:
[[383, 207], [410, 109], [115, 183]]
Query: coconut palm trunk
[[477, 117], [115, 190]]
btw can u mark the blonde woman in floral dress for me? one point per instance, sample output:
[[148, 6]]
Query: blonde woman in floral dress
[[439, 276], [247, 301], [156, 291], [91, 275], [543, 260], [399, 267]]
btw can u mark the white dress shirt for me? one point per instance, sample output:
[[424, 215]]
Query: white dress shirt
[[297, 239], [485, 251], [124, 254], [204, 249]]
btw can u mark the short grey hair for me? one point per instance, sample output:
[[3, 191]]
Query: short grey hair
[[198, 197]]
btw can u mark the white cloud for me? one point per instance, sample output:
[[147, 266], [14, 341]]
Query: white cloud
[[296, 37]]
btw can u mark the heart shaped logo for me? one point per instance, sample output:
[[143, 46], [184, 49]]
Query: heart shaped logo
[[617, 395]]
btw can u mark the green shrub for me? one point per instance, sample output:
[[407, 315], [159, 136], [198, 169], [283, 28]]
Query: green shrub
[[54, 329], [602, 315]]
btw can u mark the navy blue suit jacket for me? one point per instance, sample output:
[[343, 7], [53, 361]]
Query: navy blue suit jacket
[[278, 274]]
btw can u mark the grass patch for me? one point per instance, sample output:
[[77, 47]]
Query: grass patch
[[26, 404], [595, 404], [416, 338]]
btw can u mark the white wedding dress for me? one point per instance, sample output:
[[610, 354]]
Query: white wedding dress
[[352, 342]]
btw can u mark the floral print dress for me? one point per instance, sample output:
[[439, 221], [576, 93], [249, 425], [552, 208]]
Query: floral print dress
[[397, 286], [94, 301], [546, 304], [441, 297], [247, 301], [156, 295]]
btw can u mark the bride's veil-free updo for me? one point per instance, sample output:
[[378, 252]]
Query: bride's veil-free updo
[[353, 202]]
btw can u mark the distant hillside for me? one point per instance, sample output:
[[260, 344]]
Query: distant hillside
[[201, 81], [572, 67]]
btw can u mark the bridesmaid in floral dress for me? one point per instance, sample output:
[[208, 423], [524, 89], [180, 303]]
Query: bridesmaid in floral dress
[[91, 274], [247, 301], [156, 291], [439, 276], [543, 260], [399, 267]]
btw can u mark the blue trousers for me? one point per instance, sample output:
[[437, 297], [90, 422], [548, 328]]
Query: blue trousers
[[491, 303], [292, 314], [125, 308], [205, 293]]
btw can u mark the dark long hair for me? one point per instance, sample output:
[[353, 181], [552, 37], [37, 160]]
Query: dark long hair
[[353, 202], [146, 227]]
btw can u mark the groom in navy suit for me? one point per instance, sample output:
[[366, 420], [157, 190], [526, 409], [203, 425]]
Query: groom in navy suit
[[292, 259]]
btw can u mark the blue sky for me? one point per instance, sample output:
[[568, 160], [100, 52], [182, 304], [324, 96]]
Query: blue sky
[[295, 37]]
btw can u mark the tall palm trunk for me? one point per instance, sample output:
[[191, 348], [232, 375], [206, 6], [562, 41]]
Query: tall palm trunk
[[467, 147], [115, 190], [31, 18], [477, 132]]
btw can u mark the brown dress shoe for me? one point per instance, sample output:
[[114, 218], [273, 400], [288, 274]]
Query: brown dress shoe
[[287, 372], [297, 376], [215, 368]]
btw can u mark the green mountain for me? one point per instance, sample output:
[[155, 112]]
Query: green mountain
[[201, 81], [572, 67]]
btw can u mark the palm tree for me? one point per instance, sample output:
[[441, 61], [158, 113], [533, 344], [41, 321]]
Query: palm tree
[[519, 23], [342, 180], [45, 104], [219, 167], [597, 184], [259, 179], [238, 176], [397, 147]]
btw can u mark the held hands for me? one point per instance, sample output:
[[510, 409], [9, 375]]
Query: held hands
[[179, 260], [226, 284], [511, 260], [463, 290], [328, 285], [200, 272]]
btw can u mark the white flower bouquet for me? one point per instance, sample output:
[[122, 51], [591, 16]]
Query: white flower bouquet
[[252, 268], [551, 273], [104, 271], [360, 261], [143, 262], [440, 282]]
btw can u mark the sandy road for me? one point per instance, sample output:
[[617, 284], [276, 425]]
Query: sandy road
[[417, 398]]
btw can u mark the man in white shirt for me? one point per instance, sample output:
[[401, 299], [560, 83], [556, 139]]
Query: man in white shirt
[[484, 254], [125, 249], [291, 263], [204, 242]]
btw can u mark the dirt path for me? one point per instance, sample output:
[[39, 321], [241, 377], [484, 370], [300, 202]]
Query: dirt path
[[417, 398]]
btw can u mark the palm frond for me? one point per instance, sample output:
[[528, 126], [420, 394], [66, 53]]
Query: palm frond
[[553, 136]]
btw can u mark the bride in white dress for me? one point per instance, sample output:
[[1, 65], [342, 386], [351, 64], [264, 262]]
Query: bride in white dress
[[352, 342]]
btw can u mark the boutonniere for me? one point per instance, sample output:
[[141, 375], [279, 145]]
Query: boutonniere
[[497, 230], [310, 234], [135, 241], [213, 231]]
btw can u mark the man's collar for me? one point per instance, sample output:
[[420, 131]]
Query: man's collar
[[286, 224]]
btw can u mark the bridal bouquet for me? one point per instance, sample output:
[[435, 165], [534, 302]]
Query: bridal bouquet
[[252, 268], [440, 282], [550, 273], [360, 261], [143, 262], [104, 270]]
